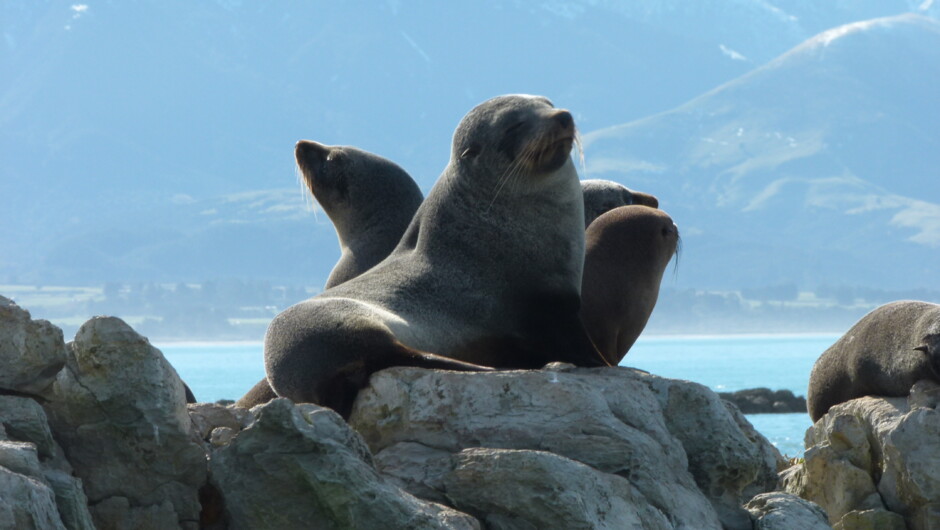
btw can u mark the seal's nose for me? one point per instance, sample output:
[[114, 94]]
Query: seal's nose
[[563, 118]]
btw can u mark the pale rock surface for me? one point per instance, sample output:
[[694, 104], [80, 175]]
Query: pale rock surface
[[610, 419], [871, 457], [301, 466], [31, 351], [119, 411], [26, 503], [783, 511]]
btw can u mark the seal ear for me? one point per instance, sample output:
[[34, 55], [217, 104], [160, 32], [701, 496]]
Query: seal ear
[[471, 151], [923, 348]]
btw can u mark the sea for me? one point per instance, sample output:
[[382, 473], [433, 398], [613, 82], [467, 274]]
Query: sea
[[724, 363]]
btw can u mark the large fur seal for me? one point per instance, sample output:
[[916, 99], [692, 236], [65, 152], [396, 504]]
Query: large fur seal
[[601, 196], [627, 251], [369, 199], [883, 354], [488, 273]]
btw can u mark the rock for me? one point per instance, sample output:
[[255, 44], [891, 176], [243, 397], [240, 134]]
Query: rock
[[870, 520], [724, 460], [119, 411], [873, 455], [764, 400], [208, 416], [21, 458], [70, 500], [24, 419], [610, 419], [301, 466], [118, 513], [26, 503], [31, 351], [533, 489], [782, 511]]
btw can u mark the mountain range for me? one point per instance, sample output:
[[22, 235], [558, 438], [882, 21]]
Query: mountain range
[[152, 141]]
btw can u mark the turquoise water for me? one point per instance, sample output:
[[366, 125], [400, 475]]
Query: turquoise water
[[723, 363]]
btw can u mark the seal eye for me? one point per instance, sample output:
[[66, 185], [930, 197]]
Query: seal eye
[[470, 152]]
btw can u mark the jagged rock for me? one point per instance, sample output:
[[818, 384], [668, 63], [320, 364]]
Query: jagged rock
[[724, 460], [24, 419], [119, 411], [26, 503], [870, 520], [783, 511], [70, 499], [31, 351], [120, 514], [610, 419], [301, 466], [208, 416], [873, 455], [764, 400]]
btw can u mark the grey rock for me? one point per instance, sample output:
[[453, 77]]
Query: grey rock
[[723, 459], [22, 458], [872, 455], [26, 503], [221, 436], [31, 351], [119, 514], [301, 466], [783, 511], [119, 411], [208, 416], [764, 400], [24, 419], [70, 500], [610, 419], [870, 520], [533, 489]]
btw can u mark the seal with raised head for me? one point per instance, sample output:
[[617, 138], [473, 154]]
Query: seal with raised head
[[883, 354], [601, 196], [369, 199], [627, 251], [488, 273]]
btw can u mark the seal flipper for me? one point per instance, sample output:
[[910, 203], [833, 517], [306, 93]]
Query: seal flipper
[[340, 391]]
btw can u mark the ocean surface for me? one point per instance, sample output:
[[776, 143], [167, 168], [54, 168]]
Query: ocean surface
[[723, 363]]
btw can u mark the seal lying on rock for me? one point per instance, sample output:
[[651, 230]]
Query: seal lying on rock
[[883, 354], [627, 251], [488, 273]]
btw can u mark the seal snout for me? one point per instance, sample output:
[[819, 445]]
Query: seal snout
[[309, 153], [564, 119]]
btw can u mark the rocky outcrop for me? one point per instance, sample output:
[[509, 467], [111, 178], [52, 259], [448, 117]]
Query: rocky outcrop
[[783, 511], [875, 462], [108, 441], [765, 401], [676, 445]]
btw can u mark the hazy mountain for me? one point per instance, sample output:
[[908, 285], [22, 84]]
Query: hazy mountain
[[135, 136], [819, 167]]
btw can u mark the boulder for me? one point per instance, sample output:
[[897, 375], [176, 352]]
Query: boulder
[[301, 466], [31, 351], [764, 400], [119, 411], [26, 503], [613, 420], [783, 511], [874, 455]]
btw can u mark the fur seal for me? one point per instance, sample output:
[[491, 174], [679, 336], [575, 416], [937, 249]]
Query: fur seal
[[883, 354], [488, 273], [627, 250], [604, 195], [369, 199]]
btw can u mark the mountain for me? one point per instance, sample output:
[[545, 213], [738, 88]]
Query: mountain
[[819, 167], [133, 134]]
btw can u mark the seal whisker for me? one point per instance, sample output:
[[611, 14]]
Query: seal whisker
[[511, 173]]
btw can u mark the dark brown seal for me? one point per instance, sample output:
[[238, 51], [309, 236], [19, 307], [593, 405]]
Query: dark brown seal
[[488, 273], [601, 196], [627, 251], [883, 354]]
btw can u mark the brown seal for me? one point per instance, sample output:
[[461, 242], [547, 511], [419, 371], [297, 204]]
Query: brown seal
[[883, 354], [626, 253], [488, 273]]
